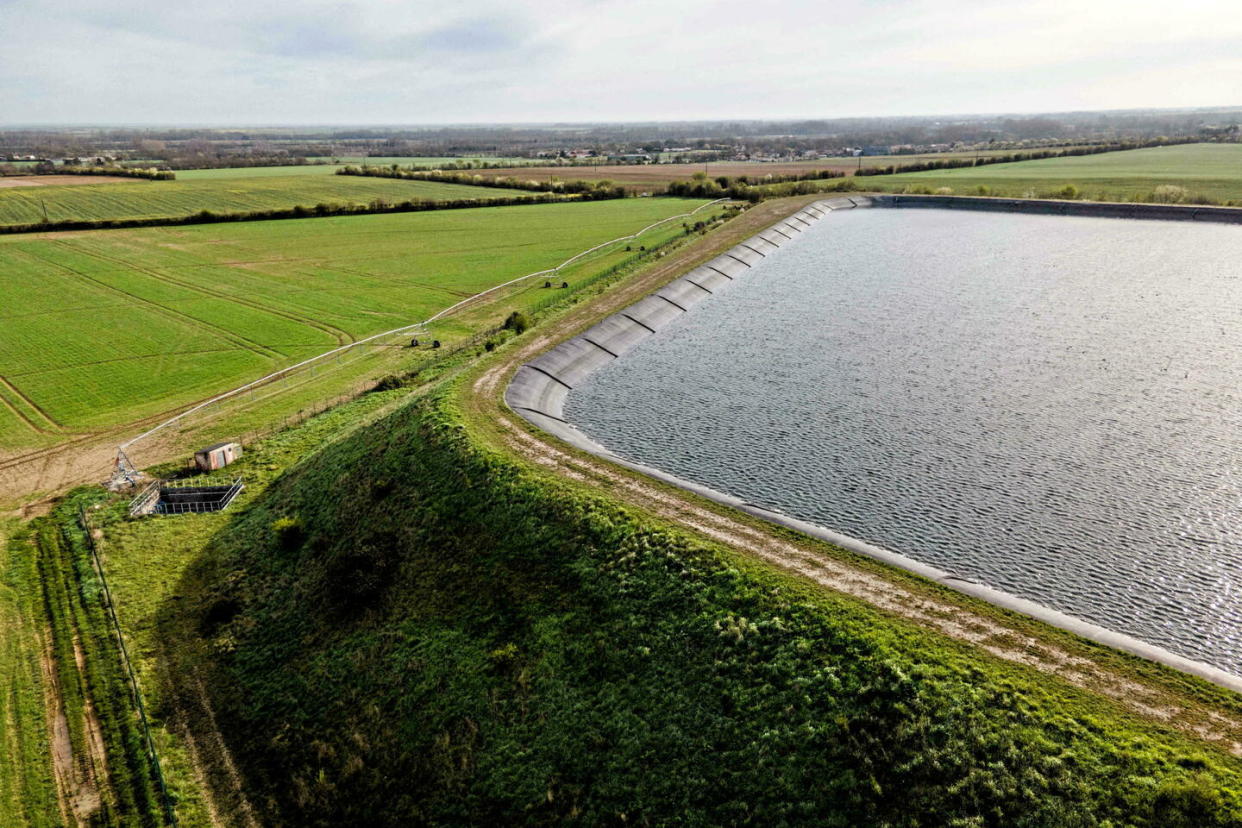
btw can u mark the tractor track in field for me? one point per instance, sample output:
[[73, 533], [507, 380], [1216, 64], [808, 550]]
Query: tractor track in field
[[164, 310], [342, 337], [893, 595], [133, 358], [50, 425]]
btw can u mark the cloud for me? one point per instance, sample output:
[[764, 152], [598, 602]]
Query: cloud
[[392, 61]]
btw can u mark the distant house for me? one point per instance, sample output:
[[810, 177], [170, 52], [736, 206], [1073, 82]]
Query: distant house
[[89, 160], [631, 158]]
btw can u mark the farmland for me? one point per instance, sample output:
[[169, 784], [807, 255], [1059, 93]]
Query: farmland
[[221, 194], [1213, 171], [655, 176], [60, 180], [100, 328], [329, 166], [419, 160]]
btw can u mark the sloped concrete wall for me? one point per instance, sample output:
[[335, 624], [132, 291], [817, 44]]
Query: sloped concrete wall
[[538, 390], [539, 387]]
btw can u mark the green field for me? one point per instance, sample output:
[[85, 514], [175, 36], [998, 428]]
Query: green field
[[419, 160], [221, 194], [1210, 171], [329, 168], [103, 327]]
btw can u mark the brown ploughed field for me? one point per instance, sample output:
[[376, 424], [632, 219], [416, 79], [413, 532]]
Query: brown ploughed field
[[61, 180]]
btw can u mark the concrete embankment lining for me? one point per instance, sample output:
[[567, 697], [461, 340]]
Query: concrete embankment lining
[[540, 387], [1164, 212]]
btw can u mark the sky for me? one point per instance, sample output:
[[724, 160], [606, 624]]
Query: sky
[[275, 62]]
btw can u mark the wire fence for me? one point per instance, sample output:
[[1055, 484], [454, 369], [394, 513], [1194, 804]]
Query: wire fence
[[352, 348], [170, 815]]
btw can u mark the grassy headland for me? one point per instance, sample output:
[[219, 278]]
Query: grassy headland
[[1189, 173]]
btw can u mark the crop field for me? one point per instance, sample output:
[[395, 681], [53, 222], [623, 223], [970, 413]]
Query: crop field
[[104, 327], [221, 194], [420, 160], [60, 180], [327, 166], [637, 176], [1213, 171]]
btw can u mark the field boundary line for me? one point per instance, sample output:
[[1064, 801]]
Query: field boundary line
[[170, 814], [284, 372]]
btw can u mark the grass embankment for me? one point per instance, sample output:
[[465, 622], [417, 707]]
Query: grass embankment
[[414, 624], [1189, 173], [107, 327], [218, 194]]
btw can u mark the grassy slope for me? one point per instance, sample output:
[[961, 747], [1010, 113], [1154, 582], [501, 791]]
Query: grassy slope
[[491, 644], [105, 326], [1211, 170], [146, 199]]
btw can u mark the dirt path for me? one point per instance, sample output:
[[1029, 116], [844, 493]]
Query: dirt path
[[897, 596]]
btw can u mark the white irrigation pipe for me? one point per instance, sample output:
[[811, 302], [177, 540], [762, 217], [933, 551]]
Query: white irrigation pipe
[[404, 328]]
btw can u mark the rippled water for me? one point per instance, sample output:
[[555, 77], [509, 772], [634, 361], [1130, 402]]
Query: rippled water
[[1045, 404]]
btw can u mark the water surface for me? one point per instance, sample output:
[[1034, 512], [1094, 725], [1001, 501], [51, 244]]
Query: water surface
[[1045, 404]]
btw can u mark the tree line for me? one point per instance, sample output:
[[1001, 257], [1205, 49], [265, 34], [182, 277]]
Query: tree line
[[151, 173], [586, 190], [320, 210]]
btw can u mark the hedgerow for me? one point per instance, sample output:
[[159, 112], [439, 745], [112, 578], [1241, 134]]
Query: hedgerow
[[320, 210]]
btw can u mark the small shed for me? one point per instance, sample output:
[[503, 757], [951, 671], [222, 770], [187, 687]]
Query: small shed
[[217, 456]]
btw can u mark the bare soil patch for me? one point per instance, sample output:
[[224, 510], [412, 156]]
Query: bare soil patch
[[635, 175], [61, 180]]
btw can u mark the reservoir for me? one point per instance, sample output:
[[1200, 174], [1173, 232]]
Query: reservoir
[[1048, 405]]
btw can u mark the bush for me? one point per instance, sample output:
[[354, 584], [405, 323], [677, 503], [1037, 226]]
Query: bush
[[388, 382], [517, 322], [289, 532]]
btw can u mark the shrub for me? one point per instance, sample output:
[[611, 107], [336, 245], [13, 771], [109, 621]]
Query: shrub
[[517, 322], [387, 383], [290, 533]]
